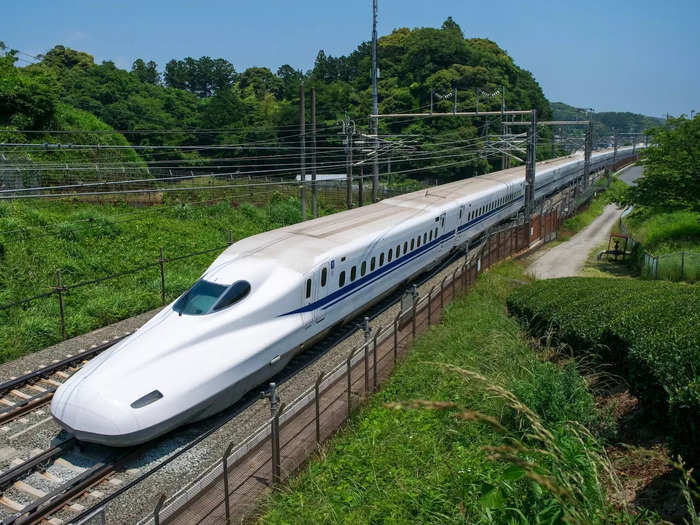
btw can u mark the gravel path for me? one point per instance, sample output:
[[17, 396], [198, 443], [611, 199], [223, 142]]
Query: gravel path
[[567, 259]]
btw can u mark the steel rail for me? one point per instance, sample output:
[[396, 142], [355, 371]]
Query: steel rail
[[20, 470]]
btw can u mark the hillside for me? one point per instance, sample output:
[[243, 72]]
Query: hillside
[[259, 104], [32, 111], [607, 121]]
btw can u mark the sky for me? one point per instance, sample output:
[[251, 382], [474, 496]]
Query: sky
[[610, 55]]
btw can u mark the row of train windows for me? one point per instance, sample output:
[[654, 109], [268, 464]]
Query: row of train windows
[[490, 206], [407, 246]]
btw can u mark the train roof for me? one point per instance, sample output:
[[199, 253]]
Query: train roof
[[301, 246]]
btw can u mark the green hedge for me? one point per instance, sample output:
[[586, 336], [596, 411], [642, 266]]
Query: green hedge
[[651, 330]]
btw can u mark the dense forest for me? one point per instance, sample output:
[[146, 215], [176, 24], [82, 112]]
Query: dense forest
[[66, 90]]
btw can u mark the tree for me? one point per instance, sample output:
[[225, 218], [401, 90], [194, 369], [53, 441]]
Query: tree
[[61, 57], [261, 79], [203, 76], [451, 25], [671, 168], [146, 72]]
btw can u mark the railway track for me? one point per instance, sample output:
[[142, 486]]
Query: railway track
[[23, 394], [63, 482]]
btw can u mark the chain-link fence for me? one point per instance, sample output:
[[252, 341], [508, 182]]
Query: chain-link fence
[[677, 266]]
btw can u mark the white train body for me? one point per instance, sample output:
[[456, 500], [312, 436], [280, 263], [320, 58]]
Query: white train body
[[195, 358]]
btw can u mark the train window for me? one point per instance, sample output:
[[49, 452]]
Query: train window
[[425, 237], [460, 212], [363, 268], [398, 251], [437, 219], [235, 293], [353, 273], [436, 232], [405, 248], [308, 288], [412, 245], [371, 264], [389, 257], [431, 235], [341, 279], [324, 275], [418, 242], [381, 259], [200, 298]]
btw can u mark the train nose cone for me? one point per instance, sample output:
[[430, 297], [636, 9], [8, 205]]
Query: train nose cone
[[86, 413]]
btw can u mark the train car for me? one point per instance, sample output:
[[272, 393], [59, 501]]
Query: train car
[[268, 295]]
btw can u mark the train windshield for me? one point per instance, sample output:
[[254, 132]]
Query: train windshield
[[206, 297]]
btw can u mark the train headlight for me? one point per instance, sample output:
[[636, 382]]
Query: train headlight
[[147, 399]]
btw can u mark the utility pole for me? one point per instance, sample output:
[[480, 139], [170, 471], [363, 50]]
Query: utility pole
[[348, 131], [302, 142], [587, 153], [314, 204], [614, 154], [375, 105], [530, 162], [504, 157], [361, 187]]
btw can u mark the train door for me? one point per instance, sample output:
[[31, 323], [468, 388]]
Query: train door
[[307, 299], [322, 279], [462, 217]]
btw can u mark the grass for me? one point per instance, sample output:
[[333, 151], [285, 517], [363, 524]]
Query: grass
[[473, 427], [578, 222], [665, 232], [88, 241], [671, 238]]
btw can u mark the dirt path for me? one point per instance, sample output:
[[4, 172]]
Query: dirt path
[[567, 259]]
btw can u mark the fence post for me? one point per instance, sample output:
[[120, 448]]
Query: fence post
[[59, 290], [430, 305], [656, 267], [442, 292], [224, 462], [275, 438], [682, 264], [350, 381], [161, 262], [374, 358], [414, 294], [396, 337], [230, 237], [454, 279], [275, 409], [156, 511], [318, 408], [368, 336]]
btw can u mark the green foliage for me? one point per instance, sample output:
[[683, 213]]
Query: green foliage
[[256, 104], [427, 466], [662, 232], [671, 168], [649, 329], [88, 241], [607, 122]]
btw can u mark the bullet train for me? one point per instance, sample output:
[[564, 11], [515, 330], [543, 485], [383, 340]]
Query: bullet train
[[267, 296]]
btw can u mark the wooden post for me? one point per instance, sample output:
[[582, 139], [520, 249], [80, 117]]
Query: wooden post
[[59, 290], [161, 262]]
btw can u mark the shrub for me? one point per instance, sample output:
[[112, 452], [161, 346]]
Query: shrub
[[649, 329]]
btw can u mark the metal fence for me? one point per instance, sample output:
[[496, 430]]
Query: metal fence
[[677, 266], [61, 290], [230, 489]]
